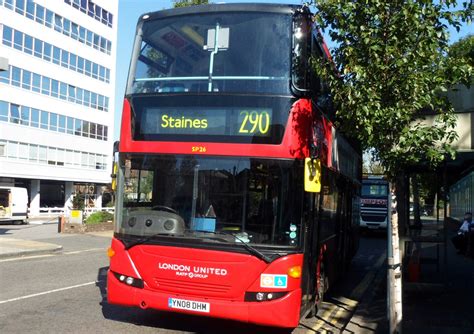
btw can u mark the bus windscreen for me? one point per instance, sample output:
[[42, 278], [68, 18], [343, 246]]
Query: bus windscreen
[[213, 52]]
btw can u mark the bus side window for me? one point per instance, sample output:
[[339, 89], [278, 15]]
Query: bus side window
[[320, 89]]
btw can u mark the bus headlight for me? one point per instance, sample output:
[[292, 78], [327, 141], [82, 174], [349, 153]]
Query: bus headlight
[[129, 280]]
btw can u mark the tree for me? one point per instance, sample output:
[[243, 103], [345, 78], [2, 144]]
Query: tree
[[186, 3], [391, 59], [464, 49], [370, 165]]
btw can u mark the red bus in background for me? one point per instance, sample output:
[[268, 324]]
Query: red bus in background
[[236, 196]]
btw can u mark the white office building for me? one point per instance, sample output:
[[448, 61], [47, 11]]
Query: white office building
[[57, 98]]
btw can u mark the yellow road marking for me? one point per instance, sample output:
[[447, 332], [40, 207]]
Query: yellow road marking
[[334, 315]]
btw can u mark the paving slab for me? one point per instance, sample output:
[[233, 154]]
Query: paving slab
[[11, 247]]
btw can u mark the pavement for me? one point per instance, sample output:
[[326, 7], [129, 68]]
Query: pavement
[[438, 295], [16, 245]]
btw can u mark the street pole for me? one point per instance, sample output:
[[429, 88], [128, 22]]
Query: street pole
[[394, 276]]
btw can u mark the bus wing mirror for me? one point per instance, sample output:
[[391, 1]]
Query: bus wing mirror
[[114, 176], [114, 166], [312, 175]]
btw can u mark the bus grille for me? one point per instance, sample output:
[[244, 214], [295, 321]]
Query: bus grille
[[168, 284]]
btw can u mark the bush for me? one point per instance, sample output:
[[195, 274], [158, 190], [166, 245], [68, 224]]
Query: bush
[[99, 217], [78, 202]]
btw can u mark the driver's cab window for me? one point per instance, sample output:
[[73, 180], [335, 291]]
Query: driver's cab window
[[139, 188]]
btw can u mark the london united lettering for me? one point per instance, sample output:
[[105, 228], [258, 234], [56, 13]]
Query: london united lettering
[[192, 271]]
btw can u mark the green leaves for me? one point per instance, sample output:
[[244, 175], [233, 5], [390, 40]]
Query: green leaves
[[186, 3], [393, 61]]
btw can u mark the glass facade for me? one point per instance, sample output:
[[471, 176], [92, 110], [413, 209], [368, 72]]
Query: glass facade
[[53, 97], [54, 88], [93, 10], [40, 49], [48, 18], [46, 155], [23, 115]]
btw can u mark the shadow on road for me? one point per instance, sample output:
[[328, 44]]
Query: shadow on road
[[173, 321]]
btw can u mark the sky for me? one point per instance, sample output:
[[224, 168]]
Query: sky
[[131, 10]]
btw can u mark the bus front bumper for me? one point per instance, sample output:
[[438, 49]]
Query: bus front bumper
[[282, 312]]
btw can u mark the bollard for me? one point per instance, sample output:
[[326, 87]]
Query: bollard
[[60, 224]]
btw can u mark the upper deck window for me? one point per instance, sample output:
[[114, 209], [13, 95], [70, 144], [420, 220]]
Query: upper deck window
[[217, 52]]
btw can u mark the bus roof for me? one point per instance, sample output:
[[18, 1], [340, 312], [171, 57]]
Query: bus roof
[[374, 180], [210, 8]]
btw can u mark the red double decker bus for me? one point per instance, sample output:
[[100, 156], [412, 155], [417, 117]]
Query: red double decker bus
[[236, 196]]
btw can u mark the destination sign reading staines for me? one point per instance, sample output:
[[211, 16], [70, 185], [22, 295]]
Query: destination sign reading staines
[[207, 121]]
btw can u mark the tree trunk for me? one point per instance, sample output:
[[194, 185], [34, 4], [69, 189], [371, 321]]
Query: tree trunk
[[395, 231], [403, 203], [394, 278], [416, 202]]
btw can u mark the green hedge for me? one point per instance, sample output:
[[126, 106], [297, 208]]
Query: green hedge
[[99, 217]]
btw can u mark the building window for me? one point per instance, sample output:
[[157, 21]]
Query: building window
[[44, 120], [30, 9], [38, 48], [47, 52], [62, 25], [36, 84], [12, 149], [3, 111], [70, 125], [20, 6], [3, 149], [33, 154], [15, 113], [42, 154], [93, 10], [18, 40], [66, 59], [62, 123], [16, 76], [53, 122], [26, 80], [23, 115], [28, 44], [23, 151], [7, 36], [34, 117]]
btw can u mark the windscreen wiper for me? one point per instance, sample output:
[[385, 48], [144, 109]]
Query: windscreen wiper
[[148, 238], [252, 250]]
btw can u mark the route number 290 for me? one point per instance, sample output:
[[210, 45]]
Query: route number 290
[[254, 121]]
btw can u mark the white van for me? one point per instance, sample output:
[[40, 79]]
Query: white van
[[13, 204]]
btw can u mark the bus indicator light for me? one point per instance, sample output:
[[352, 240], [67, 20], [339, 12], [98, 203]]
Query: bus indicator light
[[295, 272], [110, 252]]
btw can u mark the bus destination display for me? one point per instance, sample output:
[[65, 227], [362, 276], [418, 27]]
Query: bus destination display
[[207, 121]]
